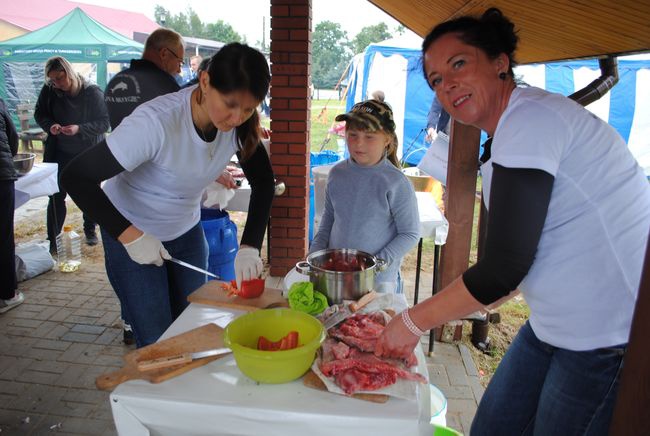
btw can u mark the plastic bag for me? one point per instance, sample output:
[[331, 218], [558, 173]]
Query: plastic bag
[[217, 196], [32, 259]]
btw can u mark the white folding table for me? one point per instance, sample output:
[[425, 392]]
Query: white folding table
[[217, 399]]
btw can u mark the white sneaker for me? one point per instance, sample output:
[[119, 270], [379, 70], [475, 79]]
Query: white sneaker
[[9, 304]]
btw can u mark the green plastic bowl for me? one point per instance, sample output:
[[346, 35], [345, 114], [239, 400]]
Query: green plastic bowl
[[241, 337]]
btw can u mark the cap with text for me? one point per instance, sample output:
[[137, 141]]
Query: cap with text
[[374, 114]]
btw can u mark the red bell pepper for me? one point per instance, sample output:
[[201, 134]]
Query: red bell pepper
[[249, 288], [289, 342]]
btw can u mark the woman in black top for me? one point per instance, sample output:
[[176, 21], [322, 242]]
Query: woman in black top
[[74, 115]]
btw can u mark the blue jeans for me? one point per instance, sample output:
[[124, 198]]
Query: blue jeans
[[152, 297], [539, 389]]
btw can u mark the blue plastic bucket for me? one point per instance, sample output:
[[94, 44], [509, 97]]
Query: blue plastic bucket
[[221, 234]]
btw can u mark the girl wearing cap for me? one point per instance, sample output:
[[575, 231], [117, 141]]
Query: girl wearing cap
[[370, 205]]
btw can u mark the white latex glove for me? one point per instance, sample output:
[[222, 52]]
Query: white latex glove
[[248, 264], [147, 250]]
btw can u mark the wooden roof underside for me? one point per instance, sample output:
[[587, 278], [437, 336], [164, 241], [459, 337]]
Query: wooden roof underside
[[548, 30]]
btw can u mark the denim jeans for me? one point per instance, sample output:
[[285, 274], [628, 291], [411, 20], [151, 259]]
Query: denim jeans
[[539, 389], [152, 297]]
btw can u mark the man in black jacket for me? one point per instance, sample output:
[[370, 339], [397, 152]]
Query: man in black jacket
[[10, 297], [146, 78]]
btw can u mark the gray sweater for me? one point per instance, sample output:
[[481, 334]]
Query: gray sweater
[[373, 209]]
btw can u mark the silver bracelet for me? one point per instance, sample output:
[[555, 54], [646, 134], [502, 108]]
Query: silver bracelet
[[408, 322]]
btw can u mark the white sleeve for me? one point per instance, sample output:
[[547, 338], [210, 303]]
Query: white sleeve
[[531, 135], [137, 139]]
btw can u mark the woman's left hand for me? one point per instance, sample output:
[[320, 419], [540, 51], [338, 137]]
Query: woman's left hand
[[396, 341], [70, 130], [248, 264]]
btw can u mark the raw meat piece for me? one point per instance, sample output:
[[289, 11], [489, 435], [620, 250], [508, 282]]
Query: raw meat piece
[[347, 356]]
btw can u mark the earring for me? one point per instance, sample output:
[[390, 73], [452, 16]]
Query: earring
[[502, 75]]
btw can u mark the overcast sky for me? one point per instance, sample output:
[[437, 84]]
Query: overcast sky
[[246, 16]]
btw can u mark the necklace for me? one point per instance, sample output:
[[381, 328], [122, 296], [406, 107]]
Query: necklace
[[211, 144]]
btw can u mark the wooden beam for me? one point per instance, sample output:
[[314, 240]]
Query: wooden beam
[[631, 415], [461, 197]]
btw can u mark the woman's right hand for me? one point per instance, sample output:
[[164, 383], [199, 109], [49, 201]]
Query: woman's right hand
[[55, 129], [143, 249], [396, 340]]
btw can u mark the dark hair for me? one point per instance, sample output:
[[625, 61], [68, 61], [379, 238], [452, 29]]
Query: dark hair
[[238, 67], [492, 32]]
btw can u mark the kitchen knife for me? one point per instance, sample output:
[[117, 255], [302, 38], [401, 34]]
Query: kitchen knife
[[195, 268], [349, 310], [177, 359]]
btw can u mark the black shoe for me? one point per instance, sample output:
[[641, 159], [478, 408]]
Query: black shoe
[[127, 336], [91, 238]]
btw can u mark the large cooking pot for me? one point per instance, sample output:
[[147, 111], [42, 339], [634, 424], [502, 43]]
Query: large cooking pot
[[341, 273]]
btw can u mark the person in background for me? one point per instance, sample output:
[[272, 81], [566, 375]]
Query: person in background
[[144, 80], [195, 64], [370, 205], [156, 164], [438, 120], [568, 219], [10, 296], [72, 112], [202, 67]]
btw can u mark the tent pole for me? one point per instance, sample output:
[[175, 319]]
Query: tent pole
[[102, 72]]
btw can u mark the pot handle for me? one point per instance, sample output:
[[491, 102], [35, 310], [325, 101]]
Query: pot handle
[[303, 267], [381, 264]]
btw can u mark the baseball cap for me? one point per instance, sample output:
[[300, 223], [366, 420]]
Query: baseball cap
[[374, 114]]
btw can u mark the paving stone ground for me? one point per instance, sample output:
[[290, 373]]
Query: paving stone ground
[[67, 332]]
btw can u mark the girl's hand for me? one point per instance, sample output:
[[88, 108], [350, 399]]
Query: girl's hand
[[396, 341], [55, 129]]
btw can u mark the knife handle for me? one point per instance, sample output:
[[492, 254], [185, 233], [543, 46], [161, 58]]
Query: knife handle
[[163, 362], [363, 301]]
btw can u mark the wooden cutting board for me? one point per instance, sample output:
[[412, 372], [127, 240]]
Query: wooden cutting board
[[202, 338], [311, 380], [212, 295]]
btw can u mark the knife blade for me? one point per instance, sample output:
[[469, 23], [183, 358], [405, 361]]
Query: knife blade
[[195, 268], [349, 310], [177, 359]]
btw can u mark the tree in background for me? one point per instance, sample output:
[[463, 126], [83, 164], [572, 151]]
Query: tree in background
[[368, 35], [222, 31], [190, 24], [330, 54]]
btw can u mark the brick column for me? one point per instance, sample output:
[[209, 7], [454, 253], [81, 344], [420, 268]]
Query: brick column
[[290, 124]]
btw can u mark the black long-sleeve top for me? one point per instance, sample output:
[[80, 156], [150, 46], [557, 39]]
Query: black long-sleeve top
[[86, 109], [519, 199], [8, 144]]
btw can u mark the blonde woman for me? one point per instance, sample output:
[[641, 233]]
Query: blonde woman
[[72, 112]]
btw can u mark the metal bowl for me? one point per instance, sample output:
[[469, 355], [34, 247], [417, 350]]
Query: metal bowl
[[338, 284], [23, 163]]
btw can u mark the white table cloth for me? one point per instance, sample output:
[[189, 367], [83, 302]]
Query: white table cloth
[[40, 181], [217, 399]]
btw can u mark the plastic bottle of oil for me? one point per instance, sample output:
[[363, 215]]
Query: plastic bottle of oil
[[68, 247]]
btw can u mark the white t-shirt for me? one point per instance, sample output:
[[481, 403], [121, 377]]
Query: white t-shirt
[[167, 165], [582, 286]]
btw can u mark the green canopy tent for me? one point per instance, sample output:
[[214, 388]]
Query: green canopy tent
[[77, 37]]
